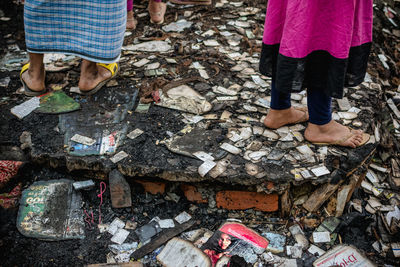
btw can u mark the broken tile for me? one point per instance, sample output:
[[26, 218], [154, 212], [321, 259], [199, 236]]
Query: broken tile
[[120, 236], [119, 156], [206, 167], [320, 171], [230, 148], [183, 217]]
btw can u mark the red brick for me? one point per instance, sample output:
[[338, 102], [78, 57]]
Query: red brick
[[240, 200], [152, 187], [192, 194]]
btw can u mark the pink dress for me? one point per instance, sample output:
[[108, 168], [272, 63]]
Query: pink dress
[[321, 44]]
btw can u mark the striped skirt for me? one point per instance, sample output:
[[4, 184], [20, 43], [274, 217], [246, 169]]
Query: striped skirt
[[93, 30]]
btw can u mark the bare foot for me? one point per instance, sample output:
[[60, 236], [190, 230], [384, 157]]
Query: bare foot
[[334, 133], [157, 11], [131, 22], [34, 78], [91, 75], [278, 118]]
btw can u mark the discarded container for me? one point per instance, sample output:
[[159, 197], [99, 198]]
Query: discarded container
[[120, 190], [51, 210], [343, 255]]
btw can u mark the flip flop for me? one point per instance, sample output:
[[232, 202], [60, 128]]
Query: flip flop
[[191, 2], [27, 90], [340, 142], [113, 68], [159, 15]]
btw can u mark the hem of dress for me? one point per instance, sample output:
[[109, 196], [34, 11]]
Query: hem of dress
[[81, 55], [319, 69]]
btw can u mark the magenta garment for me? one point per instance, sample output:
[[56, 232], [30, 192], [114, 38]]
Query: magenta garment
[[303, 26], [129, 5], [303, 34]]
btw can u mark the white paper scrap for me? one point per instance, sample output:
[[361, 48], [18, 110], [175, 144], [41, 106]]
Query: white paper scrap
[[183, 217], [115, 225], [320, 171], [83, 140], [119, 156], [26, 108], [167, 223], [203, 156], [120, 236], [206, 167], [135, 133], [230, 148], [321, 237]]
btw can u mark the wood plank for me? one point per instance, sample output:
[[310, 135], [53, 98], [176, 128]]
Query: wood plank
[[164, 237], [319, 196]]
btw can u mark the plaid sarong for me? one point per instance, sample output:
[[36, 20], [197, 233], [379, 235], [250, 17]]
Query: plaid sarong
[[93, 30]]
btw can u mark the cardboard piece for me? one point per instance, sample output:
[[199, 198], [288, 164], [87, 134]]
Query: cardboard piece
[[51, 210], [343, 255]]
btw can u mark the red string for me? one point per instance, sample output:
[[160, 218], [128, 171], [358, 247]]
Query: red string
[[89, 222], [101, 197]]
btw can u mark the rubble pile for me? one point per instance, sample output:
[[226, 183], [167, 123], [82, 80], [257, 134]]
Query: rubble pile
[[184, 173]]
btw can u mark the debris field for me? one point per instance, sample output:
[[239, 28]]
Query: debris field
[[170, 162]]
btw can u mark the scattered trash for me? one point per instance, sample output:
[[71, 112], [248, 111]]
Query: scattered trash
[[24, 109], [57, 102], [178, 252], [178, 26], [51, 210], [342, 255], [83, 185], [184, 98]]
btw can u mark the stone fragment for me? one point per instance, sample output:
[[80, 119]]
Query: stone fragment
[[120, 190]]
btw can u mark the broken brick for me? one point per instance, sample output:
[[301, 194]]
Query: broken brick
[[192, 194], [240, 200], [152, 187]]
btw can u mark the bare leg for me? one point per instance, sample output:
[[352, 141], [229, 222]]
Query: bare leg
[[333, 132], [34, 76], [131, 22], [91, 75]]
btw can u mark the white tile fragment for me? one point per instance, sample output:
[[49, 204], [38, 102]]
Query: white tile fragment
[[83, 140], [166, 223], [119, 156], [206, 167], [26, 108], [120, 236], [321, 237], [135, 133], [141, 62], [230, 148], [393, 107], [305, 150], [116, 224], [344, 104], [320, 171], [183, 217], [201, 155]]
